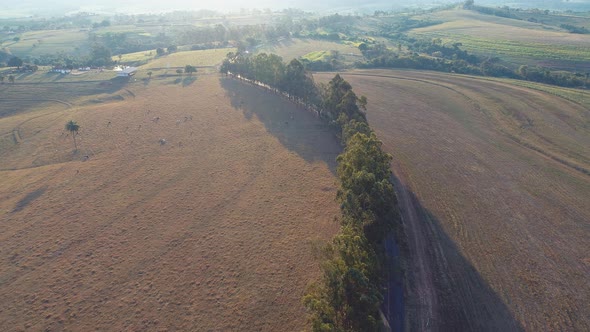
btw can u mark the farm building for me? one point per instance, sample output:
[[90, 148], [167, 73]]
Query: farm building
[[126, 72]]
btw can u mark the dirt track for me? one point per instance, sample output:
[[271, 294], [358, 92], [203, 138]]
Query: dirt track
[[494, 197]]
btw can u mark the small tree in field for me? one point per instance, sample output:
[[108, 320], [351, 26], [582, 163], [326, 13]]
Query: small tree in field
[[179, 71], [11, 78], [190, 69], [73, 128], [149, 74]]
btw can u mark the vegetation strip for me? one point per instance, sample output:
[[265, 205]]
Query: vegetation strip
[[350, 293]]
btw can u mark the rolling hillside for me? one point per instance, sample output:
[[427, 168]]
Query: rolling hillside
[[212, 230], [495, 191]]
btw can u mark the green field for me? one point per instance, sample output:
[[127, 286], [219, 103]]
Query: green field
[[142, 56], [35, 43], [519, 42], [316, 56]]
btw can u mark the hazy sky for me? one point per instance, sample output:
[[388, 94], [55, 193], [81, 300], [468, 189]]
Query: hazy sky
[[55, 7], [11, 8]]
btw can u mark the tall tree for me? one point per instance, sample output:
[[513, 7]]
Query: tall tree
[[100, 55], [73, 128], [15, 62]]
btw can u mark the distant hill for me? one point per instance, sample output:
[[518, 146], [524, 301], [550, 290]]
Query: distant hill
[[61, 7]]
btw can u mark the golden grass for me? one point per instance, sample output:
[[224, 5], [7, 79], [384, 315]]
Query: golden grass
[[211, 231], [194, 58], [481, 158]]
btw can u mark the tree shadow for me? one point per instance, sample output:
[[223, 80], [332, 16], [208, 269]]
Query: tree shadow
[[24, 75], [464, 300], [295, 128], [188, 80], [33, 195], [115, 84]]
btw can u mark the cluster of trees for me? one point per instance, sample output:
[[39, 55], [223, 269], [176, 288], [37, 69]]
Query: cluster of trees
[[160, 51], [349, 295], [124, 42], [394, 27], [574, 29], [11, 78], [434, 55], [219, 34], [270, 70]]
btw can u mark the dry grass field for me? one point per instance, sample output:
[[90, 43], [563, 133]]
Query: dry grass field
[[211, 231], [495, 192], [195, 58]]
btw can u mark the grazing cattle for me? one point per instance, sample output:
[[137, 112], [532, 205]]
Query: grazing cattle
[[162, 141]]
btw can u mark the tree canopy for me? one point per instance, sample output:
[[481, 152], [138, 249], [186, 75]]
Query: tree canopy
[[15, 62], [73, 128]]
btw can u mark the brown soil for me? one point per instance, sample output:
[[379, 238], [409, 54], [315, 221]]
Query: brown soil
[[212, 231], [495, 199]]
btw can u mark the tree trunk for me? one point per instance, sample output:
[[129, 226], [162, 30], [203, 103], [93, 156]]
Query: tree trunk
[[75, 145]]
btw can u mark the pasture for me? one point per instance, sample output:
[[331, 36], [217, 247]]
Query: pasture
[[203, 58], [212, 230], [295, 48], [495, 192], [519, 42], [35, 43]]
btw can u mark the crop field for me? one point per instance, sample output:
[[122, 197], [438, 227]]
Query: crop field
[[212, 229], [494, 184], [520, 42], [296, 48], [35, 43]]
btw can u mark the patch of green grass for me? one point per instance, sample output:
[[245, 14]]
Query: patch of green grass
[[136, 56], [34, 43], [316, 56]]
